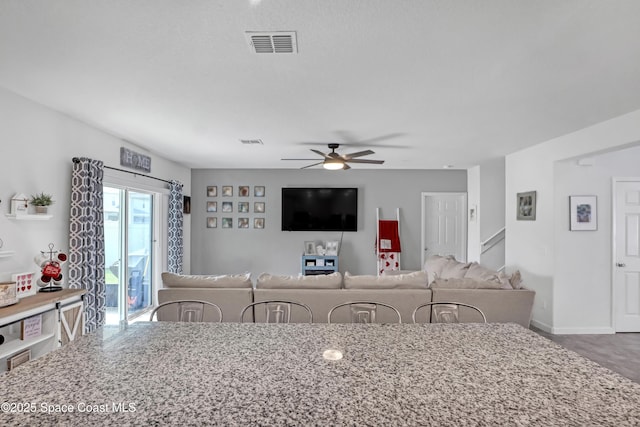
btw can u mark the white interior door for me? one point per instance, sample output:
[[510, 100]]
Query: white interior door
[[444, 225], [626, 292]]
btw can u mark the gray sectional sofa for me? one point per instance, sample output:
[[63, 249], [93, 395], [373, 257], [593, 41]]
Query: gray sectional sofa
[[405, 291]]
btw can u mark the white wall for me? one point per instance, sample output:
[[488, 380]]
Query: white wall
[[486, 185], [473, 226], [584, 265], [275, 251], [531, 246], [36, 151]]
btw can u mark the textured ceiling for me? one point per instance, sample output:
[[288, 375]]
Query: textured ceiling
[[422, 83]]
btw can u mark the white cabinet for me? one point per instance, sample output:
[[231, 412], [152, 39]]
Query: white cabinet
[[61, 321]]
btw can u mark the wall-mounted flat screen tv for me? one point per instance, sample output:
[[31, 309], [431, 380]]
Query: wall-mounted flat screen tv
[[319, 209]]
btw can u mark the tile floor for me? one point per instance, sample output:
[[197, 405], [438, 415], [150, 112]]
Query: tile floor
[[619, 352]]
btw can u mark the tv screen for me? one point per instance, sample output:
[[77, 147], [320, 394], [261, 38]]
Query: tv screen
[[319, 209]]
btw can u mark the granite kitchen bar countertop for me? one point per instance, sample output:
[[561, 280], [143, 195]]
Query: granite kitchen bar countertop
[[266, 374]]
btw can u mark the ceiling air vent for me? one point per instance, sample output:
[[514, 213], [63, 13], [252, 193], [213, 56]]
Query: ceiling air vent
[[251, 141], [273, 42]]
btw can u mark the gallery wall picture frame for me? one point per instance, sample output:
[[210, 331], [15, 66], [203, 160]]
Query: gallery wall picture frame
[[258, 223], [526, 206], [227, 207], [243, 207], [583, 212], [227, 222], [243, 222], [227, 191], [212, 191], [243, 191], [258, 191], [212, 222], [258, 207], [212, 206]]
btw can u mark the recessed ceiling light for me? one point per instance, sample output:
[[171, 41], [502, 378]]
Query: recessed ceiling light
[[447, 166]]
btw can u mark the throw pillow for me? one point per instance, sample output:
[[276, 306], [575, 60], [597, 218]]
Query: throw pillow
[[320, 281], [516, 280], [454, 269], [434, 265], [415, 280], [172, 280]]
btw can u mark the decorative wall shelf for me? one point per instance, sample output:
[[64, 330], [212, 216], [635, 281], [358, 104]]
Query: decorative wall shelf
[[4, 254], [29, 217]]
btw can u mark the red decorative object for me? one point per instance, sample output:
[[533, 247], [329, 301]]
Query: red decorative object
[[51, 273]]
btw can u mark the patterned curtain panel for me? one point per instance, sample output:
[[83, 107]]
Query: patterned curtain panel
[[174, 231], [86, 239]]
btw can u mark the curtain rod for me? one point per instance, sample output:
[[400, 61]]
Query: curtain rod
[[77, 160]]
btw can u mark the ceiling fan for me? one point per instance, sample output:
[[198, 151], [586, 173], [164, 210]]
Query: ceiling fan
[[335, 161]]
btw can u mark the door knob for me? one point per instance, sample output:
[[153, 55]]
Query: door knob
[[620, 264]]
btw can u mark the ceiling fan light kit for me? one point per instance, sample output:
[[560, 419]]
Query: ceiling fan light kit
[[335, 161]]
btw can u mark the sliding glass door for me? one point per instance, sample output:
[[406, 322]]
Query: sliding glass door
[[129, 242]]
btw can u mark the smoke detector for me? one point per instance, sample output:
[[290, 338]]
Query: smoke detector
[[272, 42]]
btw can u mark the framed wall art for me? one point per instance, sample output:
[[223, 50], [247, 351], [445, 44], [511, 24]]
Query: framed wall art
[[212, 191], [243, 222], [227, 222], [583, 211], [258, 223], [243, 191], [258, 207], [227, 206], [227, 191], [212, 206], [243, 207], [258, 191], [526, 205]]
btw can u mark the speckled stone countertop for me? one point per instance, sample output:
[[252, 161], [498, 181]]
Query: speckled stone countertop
[[264, 374]]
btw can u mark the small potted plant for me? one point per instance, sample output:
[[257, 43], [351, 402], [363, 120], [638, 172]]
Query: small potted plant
[[41, 202]]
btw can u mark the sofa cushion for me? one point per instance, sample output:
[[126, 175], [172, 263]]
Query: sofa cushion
[[172, 280], [465, 283], [320, 281], [415, 280]]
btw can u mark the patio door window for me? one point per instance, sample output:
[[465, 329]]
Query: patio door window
[[129, 217]]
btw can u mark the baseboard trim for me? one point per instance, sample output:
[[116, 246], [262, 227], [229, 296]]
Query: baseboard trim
[[582, 331], [542, 326]]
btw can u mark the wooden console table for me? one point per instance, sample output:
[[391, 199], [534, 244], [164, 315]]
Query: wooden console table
[[62, 320]]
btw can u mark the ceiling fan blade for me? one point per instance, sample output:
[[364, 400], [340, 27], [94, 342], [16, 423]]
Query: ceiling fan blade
[[358, 154], [308, 160], [311, 165], [346, 166], [375, 162], [318, 152]]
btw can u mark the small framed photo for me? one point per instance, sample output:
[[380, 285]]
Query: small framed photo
[[258, 191], [310, 247], [243, 222], [243, 191], [186, 204], [18, 359], [243, 207], [258, 223], [332, 247], [526, 204], [258, 207], [227, 207], [227, 191], [212, 222], [227, 222], [212, 191], [212, 206], [584, 213]]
